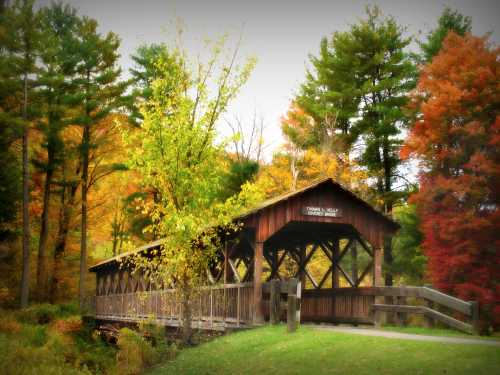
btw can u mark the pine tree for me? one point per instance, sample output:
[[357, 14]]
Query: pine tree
[[146, 70], [101, 93], [55, 92], [356, 95], [449, 20], [22, 43]]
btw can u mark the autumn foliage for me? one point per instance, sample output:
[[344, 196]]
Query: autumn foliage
[[456, 138]]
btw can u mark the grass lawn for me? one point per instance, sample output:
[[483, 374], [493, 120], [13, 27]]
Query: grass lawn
[[436, 332], [270, 350]]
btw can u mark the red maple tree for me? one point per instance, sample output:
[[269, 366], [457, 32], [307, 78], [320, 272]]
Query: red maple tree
[[456, 138]]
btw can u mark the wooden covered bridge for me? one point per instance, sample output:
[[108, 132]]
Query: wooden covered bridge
[[322, 235]]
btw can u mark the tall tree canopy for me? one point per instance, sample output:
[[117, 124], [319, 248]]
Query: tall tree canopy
[[457, 140], [356, 95], [450, 20], [174, 151]]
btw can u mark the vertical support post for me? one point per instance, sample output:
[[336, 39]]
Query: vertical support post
[[302, 256], [291, 314], [211, 306], [226, 263], [257, 283], [225, 280], [354, 263], [474, 305], [275, 270], [335, 270], [428, 321], [402, 317], [238, 308], [378, 254], [274, 302]]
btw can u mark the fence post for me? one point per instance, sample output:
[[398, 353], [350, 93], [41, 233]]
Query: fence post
[[428, 321], [274, 302], [211, 306], [292, 306], [475, 317], [238, 308]]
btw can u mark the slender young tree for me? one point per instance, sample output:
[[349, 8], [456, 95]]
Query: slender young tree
[[176, 154], [101, 93]]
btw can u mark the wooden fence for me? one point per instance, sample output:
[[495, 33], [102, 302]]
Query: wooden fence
[[368, 304], [212, 307], [232, 305]]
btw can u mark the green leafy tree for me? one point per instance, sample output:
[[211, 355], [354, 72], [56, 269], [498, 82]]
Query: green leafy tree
[[101, 93], [176, 154], [450, 20], [143, 74], [409, 260], [11, 126], [55, 93], [20, 53], [357, 93]]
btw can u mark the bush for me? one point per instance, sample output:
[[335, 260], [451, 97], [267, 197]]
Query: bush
[[39, 314], [8, 323], [71, 325], [45, 313], [131, 346], [18, 358]]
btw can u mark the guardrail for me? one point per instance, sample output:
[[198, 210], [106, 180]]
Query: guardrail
[[212, 307], [432, 299]]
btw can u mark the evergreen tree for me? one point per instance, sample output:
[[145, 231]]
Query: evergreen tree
[[21, 51], [146, 70], [58, 24], [356, 95], [11, 127], [101, 93], [450, 20]]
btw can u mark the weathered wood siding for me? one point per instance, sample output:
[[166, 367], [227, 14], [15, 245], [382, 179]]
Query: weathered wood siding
[[372, 225]]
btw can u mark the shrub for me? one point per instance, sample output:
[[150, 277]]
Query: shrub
[[18, 358], [33, 335], [45, 313], [39, 314], [70, 325], [130, 352], [8, 323]]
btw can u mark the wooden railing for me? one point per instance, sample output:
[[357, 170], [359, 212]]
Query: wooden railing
[[212, 307], [366, 305]]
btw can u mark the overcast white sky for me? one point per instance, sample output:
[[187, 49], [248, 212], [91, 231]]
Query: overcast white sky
[[281, 34]]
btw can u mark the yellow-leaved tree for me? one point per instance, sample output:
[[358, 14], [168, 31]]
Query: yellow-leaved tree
[[177, 156]]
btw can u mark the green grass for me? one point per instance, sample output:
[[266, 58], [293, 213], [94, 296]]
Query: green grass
[[270, 350], [435, 332]]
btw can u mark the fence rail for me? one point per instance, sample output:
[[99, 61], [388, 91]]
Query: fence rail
[[215, 307], [212, 307], [363, 305]]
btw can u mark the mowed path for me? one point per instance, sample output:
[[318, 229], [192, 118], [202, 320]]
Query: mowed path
[[407, 336]]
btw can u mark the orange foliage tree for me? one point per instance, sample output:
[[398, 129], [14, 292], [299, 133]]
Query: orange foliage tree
[[456, 137], [298, 162]]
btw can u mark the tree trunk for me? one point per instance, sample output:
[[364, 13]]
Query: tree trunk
[[84, 187], [388, 210], [25, 278], [187, 331], [62, 235], [41, 274]]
